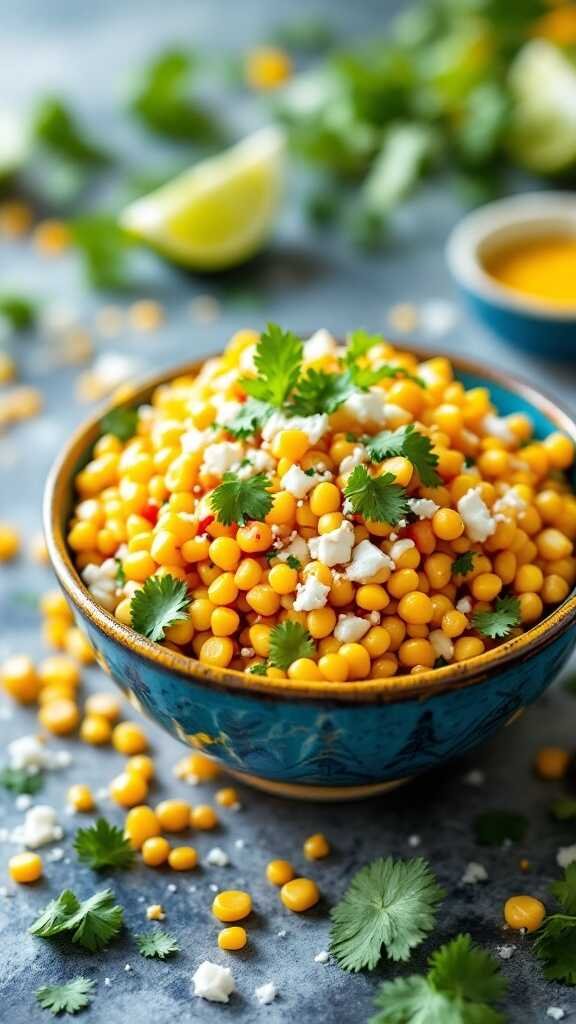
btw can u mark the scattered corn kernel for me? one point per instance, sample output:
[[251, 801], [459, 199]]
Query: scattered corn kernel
[[232, 938], [80, 797], [183, 858], [524, 913], [278, 872], [232, 905], [316, 847], [25, 868], [300, 894]]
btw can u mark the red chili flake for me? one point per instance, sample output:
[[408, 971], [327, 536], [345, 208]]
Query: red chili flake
[[205, 523], [150, 512]]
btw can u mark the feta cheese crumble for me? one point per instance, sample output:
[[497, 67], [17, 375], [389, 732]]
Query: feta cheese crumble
[[40, 827], [423, 508], [221, 457], [319, 345], [266, 993], [311, 595], [297, 482], [399, 548], [442, 644], [101, 582], [349, 462], [566, 855], [474, 873], [477, 519], [555, 1012], [213, 982], [322, 957], [333, 548], [217, 857], [367, 560], [351, 628], [298, 548], [313, 426], [505, 952]]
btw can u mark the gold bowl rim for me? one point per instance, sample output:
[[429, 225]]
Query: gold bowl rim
[[390, 690]]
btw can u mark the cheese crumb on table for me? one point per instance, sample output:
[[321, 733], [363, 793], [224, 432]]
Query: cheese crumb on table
[[266, 993], [213, 982], [474, 873]]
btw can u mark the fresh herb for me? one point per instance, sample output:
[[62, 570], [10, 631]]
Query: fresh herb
[[160, 603], [103, 846], [261, 669], [18, 311], [104, 247], [389, 903], [20, 781], [501, 621], [464, 563], [410, 443], [376, 497], [119, 575], [460, 987], [563, 810], [122, 423], [555, 943], [56, 128], [236, 500], [278, 360], [93, 922], [162, 99], [157, 943], [319, 392], [249, 420], [359, 343], [293, 562], [288, 642], [70, 997], [496, 827]]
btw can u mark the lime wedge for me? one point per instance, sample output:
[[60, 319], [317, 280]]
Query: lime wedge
[[543, 130], [220, 212], [14, 142]]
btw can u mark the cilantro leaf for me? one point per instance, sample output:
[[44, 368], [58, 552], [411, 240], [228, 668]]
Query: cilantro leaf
[[464, 563], [96, 922], [55, 916], [390, 903], [70, 997], [249, 420], [413, 445], [288, 642], [17, 310], [496, 827], [159, 604], [319, 392], [278, 361], [359, 343], [122, 423], [104, 248], [565, 890], [103, 846], [56, 128], [157, 943], [555, 942], [376, 497], [236, 500], [293, 563], [461, 983], [19, 781], [261, 669], [163, 102], [499, 622]]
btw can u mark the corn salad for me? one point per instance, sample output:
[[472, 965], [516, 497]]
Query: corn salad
[[392, 516]]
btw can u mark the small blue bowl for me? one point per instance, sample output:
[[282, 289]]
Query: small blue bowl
[[319, 740], [529, 323]]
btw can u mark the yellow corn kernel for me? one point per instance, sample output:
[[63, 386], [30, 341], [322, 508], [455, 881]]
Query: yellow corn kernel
[[376, 641], [415, 652], [321, 622], [283, 579], [155, 912], [20, 679], [263, 599], [316, 847], [232, 938], [415, 608], [225, 553], [183, 858], [372, 597], [9, 542], [54, 603], [268, 67], [128, 738], [143, 765], [141, 824], [232, 905], [278, 872], [217, 651], [96, 729], [197, 766], [227, 797], [204, 817], [60, 716], [290, 444], [468, 647], [304, 669], [358, 660], [155, 851], [25, 868], [259, 636], [78, 646], [552, 763], [524, 913], [173, 815], [300, 894], [224, 621], [128, 789], [80, 797]]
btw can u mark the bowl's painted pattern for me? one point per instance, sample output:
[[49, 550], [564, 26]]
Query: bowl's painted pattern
[[323, 740]]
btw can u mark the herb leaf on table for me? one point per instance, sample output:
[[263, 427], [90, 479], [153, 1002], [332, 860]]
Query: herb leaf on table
[[103, 846], [94, 922], [20, 781], [157, 943], [555, 943], [70, 997]]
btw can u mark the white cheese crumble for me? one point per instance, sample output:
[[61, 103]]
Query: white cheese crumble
[[333, 548], [477, 519], [566, 855], [351, 628], [510, 500], [322, 957], [217, 857], [400, 547], [442, 644], [259, 461], [367, 560], [497, 426], [349, 462], [319, 345], [464, 605], [221, 457], [424, 508], [555, 1012], [298, 548], [505, 952], [193, 440], [310, 595], [40, 827], [414, 841], [297, 482], [226, 409], [213, 982], [266, 993], [101, 582], [28, 753], [23, 801], [474, 873], [313, 426]]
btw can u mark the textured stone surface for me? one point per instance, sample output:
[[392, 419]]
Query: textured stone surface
[[85, 50]]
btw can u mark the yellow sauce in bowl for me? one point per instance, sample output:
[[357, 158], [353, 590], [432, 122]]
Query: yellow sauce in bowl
[[542, 268]]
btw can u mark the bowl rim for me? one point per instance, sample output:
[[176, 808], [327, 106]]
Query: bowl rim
[[479, 225], [394, 689]]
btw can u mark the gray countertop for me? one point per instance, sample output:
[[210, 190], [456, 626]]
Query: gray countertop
[[84, 51]]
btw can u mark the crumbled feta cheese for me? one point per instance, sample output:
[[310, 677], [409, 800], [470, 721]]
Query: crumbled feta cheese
[[497, 426], [400, 547], [298, 548], [101, 582], [246, 361], [505, 952], [510, 500], [282, 933], [259, 461], [313, 426], [55, 854], [477, 519], [464, 605], [107, 982], [213, 982], [193, 440], [171, 888], [349, 462], [226, 409], [322, 957], [319, 345], [333, 548], [566, 855], [555, 1012], [113, 368], [127, 968], [367, 560], [367, 406], [217, 857], [266, 993], [414, 841], [239, 844], [351, 628], [30, 754], [221, 457], [40, 827], [297, 482], [474, 873], [310, 595], [23, 801], [442, 644], [423, 508]]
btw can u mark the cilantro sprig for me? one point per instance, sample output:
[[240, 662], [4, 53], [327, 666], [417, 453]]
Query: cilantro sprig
[[501, 620], [122, 423], [70, 997], [288, 642], [389, 904], [377, 498], [320, 392], [91, 923], [103, 846], [160, 603], [461, 986], [20, 781], [17, 310], [162, 99], [250, 419], [464, 563], [410, 443], [236, 500], [157, 943], [278, 360], [555, 943]]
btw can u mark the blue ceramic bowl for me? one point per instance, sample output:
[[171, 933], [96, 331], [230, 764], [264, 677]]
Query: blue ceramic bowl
[[528, 323], [319, 740]]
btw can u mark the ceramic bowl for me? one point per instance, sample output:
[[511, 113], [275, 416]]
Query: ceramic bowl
[[319, 740], [527, 322]]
